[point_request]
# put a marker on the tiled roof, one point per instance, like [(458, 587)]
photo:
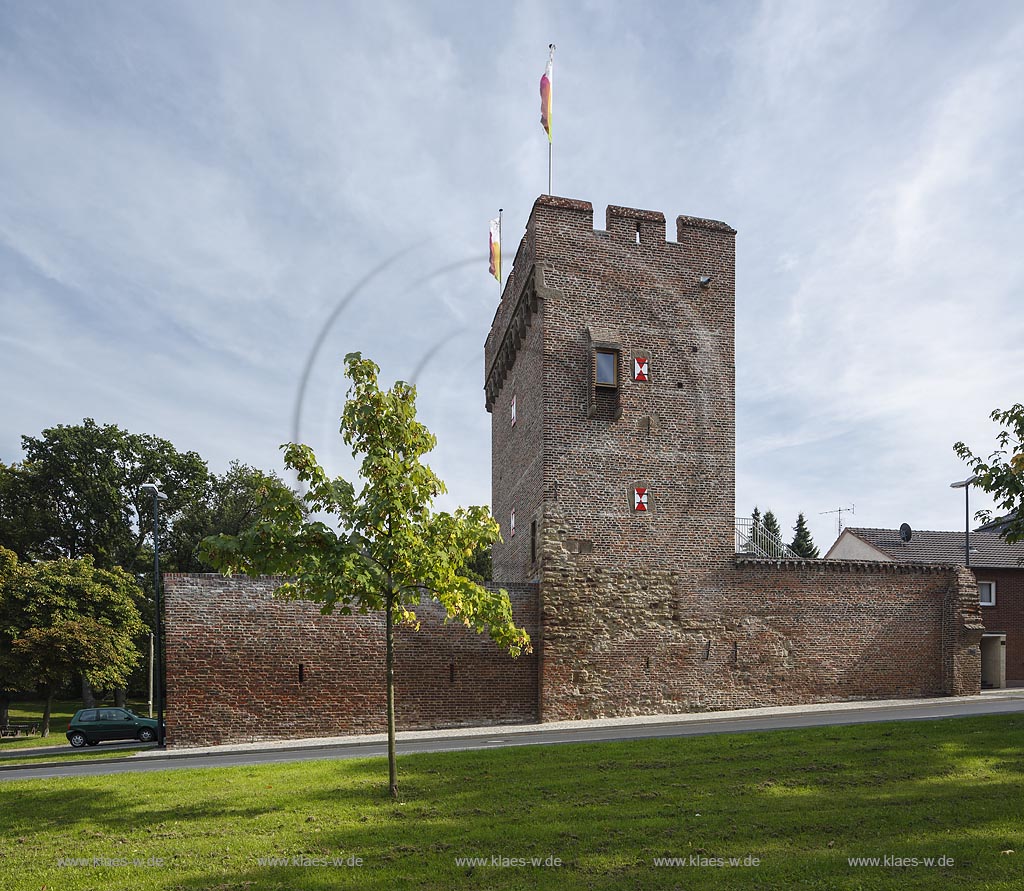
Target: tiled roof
[(999, 523), (926, 546)]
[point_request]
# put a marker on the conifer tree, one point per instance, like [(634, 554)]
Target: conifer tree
[(802, 543)]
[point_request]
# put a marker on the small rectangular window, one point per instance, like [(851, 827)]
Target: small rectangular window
[(533, 541), (987, 593), (606, 368)]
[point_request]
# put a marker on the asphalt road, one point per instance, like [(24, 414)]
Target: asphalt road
[(817, 718)]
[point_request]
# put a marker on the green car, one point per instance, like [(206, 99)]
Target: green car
[(90, 726)]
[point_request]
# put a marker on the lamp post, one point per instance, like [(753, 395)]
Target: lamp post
[(153, 488), (966, 486)]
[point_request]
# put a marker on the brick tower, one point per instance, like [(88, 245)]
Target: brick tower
[(610, 378)]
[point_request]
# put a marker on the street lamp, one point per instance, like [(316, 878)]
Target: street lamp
[(966, 486), (153, 488)]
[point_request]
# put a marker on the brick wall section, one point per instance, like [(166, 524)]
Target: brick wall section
[(233, 652), (676, 432), (1007, 616), (517, 460), (753, 633)]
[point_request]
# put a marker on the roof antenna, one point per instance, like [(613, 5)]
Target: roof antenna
[(839, 519)]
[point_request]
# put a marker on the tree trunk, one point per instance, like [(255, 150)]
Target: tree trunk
[(120, 697), (46, 712), (88, 695), (390, 662), (5, 708)]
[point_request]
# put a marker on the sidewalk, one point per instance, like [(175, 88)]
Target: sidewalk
[(506, 730)]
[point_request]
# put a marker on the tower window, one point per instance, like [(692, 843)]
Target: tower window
[(513, 409), (512, 523), (606, 368), (533, 541)]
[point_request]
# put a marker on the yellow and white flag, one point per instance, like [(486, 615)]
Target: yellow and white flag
[(495, 267), (546, 92)]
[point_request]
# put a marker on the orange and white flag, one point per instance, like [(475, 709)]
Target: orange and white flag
[(495, 267), (546, 91)]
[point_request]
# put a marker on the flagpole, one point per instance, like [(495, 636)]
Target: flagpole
[(500, 211), (551, 141), (547, 105)]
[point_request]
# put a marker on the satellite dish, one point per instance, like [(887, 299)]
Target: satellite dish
[(906, 533)]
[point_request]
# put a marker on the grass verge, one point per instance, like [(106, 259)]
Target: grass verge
[(799, 802), (91, 754)]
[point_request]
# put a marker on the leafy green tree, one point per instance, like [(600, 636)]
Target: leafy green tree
[(479, 567), (392, 550), (803, 544), (77, 493), (229, 504), (21, 519), (1002, 475), (67, 618), (11, 675)]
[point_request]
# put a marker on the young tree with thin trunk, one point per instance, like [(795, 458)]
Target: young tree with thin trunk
[(390, 550)]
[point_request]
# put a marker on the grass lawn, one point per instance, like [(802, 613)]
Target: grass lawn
[(801, 801), (62, 712)]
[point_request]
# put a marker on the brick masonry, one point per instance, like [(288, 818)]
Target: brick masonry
[(630, 612), (676, 431), (233, 653), (1007, 617), (757, 632)]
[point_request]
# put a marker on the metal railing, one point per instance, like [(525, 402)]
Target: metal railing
[(753, 540)]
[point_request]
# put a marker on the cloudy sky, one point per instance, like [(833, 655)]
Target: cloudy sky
[(192, 191)]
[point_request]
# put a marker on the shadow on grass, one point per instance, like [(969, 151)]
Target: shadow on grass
[(801, 802)]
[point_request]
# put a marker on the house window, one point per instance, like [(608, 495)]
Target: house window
[(606, 368), (641, 368), (641, 499), (987, 593)]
